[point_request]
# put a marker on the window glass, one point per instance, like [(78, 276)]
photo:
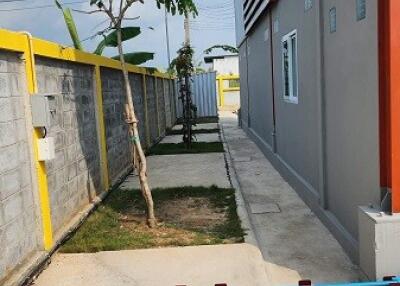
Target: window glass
[(332, 19), (286, 68), (233, 83), (294, 64), (361, 9), (290, 67), (307, 5)]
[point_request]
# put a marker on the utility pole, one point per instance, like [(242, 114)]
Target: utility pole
[(187, 93), (187, 29), (167, 34)]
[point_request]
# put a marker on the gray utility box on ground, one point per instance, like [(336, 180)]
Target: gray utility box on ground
[(42, 108)]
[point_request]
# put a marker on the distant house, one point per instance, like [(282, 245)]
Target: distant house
[(228, 85), (320, 90), (225, 64)]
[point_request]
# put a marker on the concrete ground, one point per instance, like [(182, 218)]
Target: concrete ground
[(198, 126), (236, 265), (294, 243), (203, 137), (167, 171)]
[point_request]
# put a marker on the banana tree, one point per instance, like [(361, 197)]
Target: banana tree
[(109, 40), (127, 33), (69, 21)]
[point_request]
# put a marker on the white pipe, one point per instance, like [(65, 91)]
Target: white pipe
[(32, 58)]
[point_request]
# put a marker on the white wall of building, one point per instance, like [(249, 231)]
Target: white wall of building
[(227, 65)]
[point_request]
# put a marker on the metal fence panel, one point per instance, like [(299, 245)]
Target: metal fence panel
[(204, 95)]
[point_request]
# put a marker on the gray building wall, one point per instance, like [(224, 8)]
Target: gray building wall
[(260, 84), (326, 145), (296, 124), (18, 213), (244, 87), (74, 175), (352, 118)]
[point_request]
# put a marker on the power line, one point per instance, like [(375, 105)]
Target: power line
[(39, 7), (10, 1)]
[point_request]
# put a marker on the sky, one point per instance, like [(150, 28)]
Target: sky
[(214, 25)]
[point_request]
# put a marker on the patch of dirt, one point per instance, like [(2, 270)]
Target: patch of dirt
[(196, 213), (183, 221)]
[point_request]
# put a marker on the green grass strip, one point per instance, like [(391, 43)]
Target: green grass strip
[(180, 148), (103, 230), (195, 131)]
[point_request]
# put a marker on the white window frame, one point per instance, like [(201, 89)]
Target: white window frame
[(293, 84)]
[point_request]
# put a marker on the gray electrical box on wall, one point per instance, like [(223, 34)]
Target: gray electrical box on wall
[(42, 108)]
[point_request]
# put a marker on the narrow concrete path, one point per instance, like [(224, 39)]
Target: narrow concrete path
[(235, 265), (207, 126), (168, 171), (202, 137), (294, 243)]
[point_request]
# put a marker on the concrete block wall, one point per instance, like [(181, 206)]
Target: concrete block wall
[(118, 150), (74, 176), (161, 105), (152, 109), (18, 220), (168, 104), (136, 81)]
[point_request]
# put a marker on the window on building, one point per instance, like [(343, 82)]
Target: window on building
[(361, 9), (289, 67), (307, 5), (234, 83), (332, 20)]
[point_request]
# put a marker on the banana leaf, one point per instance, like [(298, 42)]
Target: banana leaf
[(136, 58), (111, 40), (69, 21)]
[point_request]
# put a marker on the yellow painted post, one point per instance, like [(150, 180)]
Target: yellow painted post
[(40, 165), (221, 91), (146, 115), (157, 107), (100, 118)]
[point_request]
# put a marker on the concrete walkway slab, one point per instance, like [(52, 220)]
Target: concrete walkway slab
[(294, 243), (203, 137), (207, 126), (168, 171), (235, 265)]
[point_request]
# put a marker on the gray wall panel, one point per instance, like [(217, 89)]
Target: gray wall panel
[(297, 131), (260, 80), (327, 144), (244, 87), (351, 95)]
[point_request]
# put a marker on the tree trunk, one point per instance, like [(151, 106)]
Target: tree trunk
[(139, 158)]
